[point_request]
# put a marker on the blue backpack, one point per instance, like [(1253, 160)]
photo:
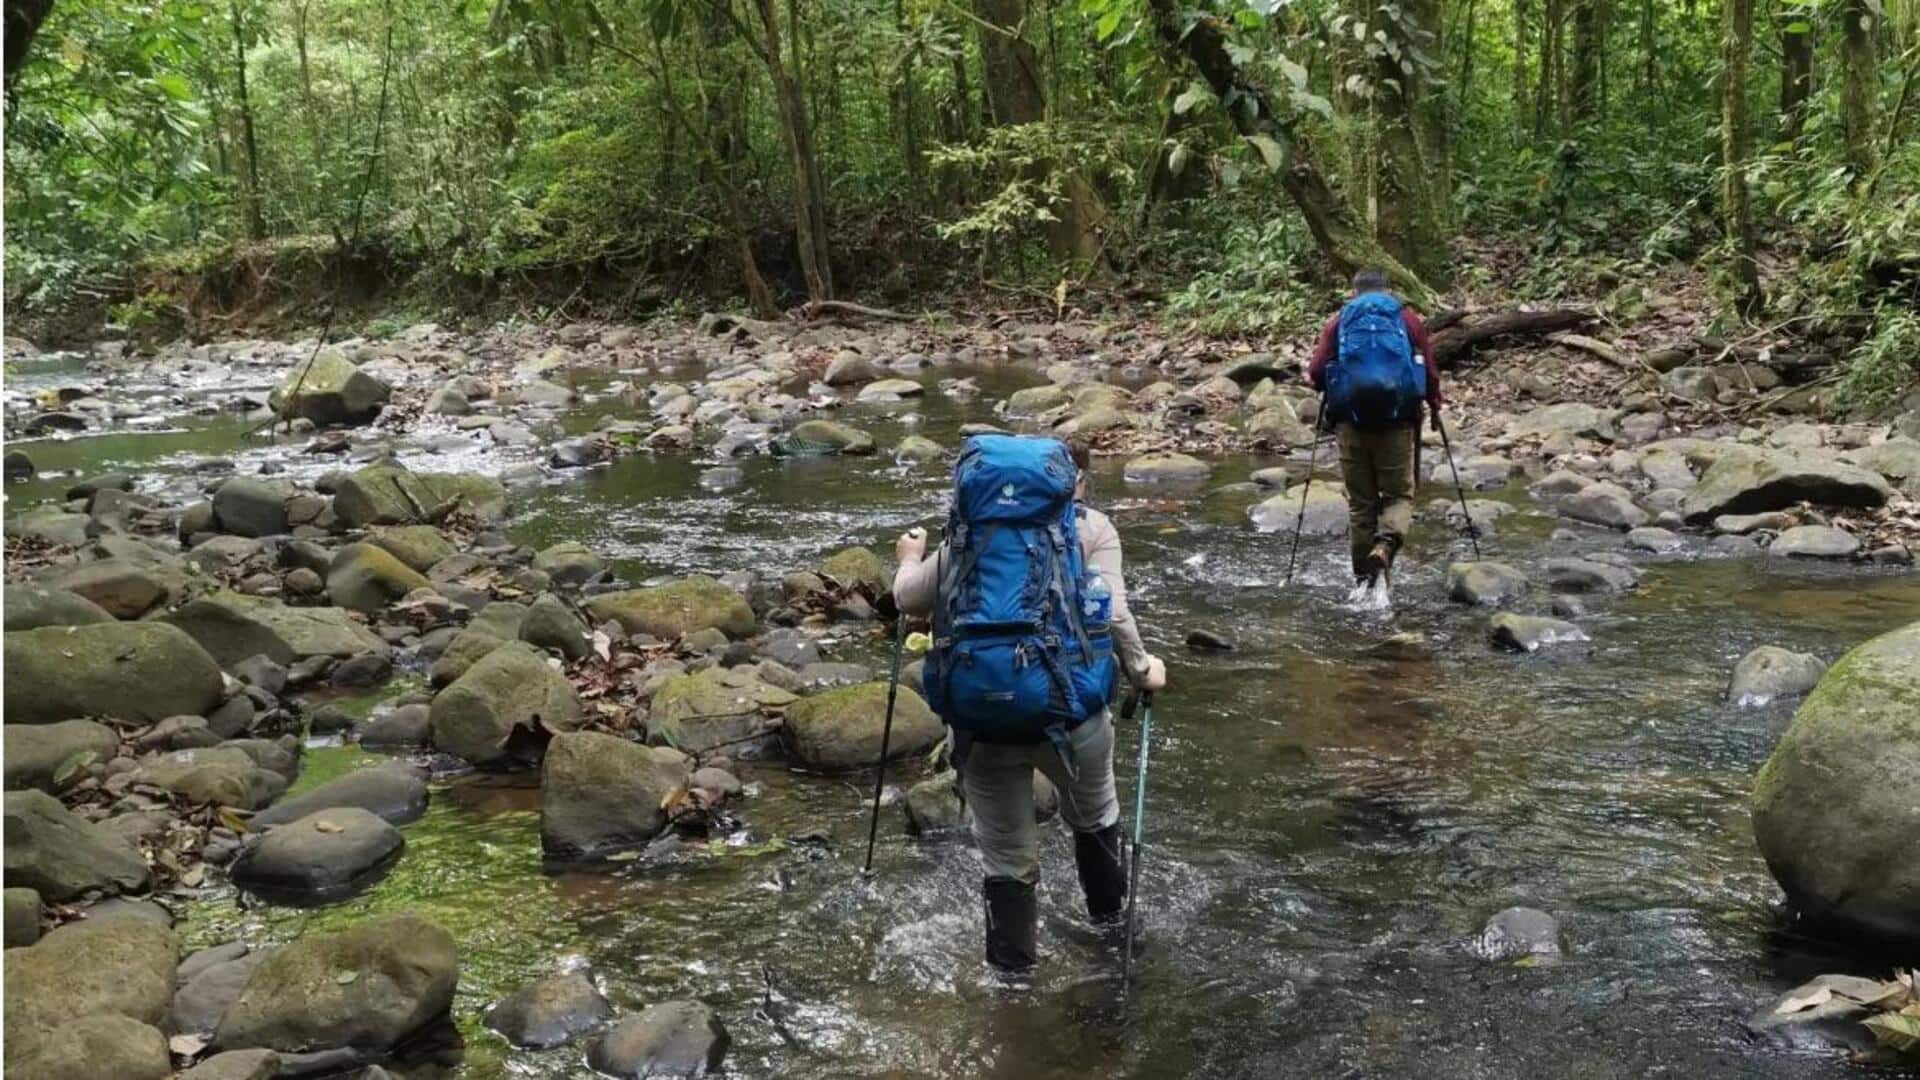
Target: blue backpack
[(1375, 381), (1021, 649)]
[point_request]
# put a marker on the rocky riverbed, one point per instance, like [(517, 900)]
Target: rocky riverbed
[(502, 711)]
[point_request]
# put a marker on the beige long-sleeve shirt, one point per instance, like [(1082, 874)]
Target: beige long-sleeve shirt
[(916, 588)]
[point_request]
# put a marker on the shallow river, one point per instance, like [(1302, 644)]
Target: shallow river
[(1336, 808)]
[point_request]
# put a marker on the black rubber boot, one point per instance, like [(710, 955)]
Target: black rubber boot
[(1013, 924), (1103, 873)]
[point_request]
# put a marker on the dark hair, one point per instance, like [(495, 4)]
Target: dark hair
[(1370, 279), (1081, 452)]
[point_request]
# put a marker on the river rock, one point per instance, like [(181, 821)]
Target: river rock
[(367, 987), (1814, 542), (1833, 806), (329, 390), (1604, 503), (465, 650), (237, 1065), (1326, 511), (1654, 539), (551, 624), (60, 855), (935, 808), (551, 1012), (714, 707), (391, 495), (512, 686), (408, 725), (918, 448), (1520, 931), (18, 467), (675, 1038), (815, 437), (1590, 575), (1742, 524), (1166, 468), (93, 1047), (396, 791), (672, 610), (366, 578), (858, 568), (419, 546), (20, 915), (91, 982), (568, 563), (849, 368), (1528, 633), (1770, 672), (324, 856), (1570, 418), (36, 753), (121, 587), (50, 526), (244, 506), (840, 729), (891, 390), (128, 671), (29, 607), (209, 991), (234, 627), (224, 775), (600, 794), (1754, 482), (1820, 1014), (1492, 584)]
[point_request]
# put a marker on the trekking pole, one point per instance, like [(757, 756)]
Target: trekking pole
[(886, 736), (1300, 519), (1446, 445), (1144, 699)]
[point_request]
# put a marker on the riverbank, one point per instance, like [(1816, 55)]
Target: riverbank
[(655, 528)]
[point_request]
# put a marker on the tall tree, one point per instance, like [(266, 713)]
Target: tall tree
[(1737, 49), (1858, 79), (1589, 46), (1796, 69), (1410, 202), (256, 220)]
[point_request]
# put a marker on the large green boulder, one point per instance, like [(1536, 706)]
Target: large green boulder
[(58, 853), (29, 607), (822, 437), (329, 389), (1752, 483), (676, 609), (366, 988), (1834, 806), (89, 974), (244, 506), (232, 626), (858, 568), (419, 546), (600, 794), (713, 708), (367, 578), (392, 495), (38, 753), (143, 671), (841, 729), (512, 686), (224, 775), (122, 587)]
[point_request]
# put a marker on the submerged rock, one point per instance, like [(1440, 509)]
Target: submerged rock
[(821, 437), (1590, 575), (551, 1012), (1528, 633), (143, 671), (1519, 931), (1166, 468), (1492, 584), (1770, 672), (396, 791), (600, 794), (1326, 511), (1820, 1014), (841, 729), (1833, 806), (676, 1038)]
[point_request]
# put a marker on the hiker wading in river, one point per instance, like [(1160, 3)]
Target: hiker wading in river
[(1029, 610), (1374, 367)]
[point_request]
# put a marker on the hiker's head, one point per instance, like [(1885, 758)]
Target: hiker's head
[(1370, 279), (1082, 459)]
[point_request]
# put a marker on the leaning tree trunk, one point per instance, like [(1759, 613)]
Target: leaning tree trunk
[(23, 19), (809, 212), (1733, 141), (1857, 23), (1344, 241), (1016, 94)]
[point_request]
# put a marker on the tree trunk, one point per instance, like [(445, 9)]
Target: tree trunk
[(1583, 91), (1547, 90), (1520, 89), (256, 222), (23, 21), (1733, 140), (1796, 70), (1344, 241), (1410, 208), (1857, 24), (1016, 94), (809, 214)]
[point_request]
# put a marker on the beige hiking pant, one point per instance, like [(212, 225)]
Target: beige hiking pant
[(1378, 469)]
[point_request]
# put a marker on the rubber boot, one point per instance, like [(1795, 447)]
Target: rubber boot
[(1103, 873), (1013, 924)]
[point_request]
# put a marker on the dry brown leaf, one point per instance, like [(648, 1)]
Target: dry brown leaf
[(323, 825), (1805, 1001)]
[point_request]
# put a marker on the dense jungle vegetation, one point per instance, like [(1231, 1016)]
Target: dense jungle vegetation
[(1222, 157)]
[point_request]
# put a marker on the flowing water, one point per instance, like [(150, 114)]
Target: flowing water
[(1335, 809)]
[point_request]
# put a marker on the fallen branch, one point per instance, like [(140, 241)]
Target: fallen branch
[(816, 309), (1602, 349), (1459, 339)]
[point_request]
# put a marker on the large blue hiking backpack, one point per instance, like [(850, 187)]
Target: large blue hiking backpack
[(1375, 381), (1021, 648)]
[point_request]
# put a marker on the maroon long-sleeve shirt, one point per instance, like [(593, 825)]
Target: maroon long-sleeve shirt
[(1329, 346)]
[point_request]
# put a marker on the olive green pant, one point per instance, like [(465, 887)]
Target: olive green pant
[(1378, 470)]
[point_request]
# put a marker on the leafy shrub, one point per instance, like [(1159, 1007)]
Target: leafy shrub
[(1885, 366)]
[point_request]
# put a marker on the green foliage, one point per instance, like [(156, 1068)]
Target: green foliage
[(1885, 366), (1256, 283)]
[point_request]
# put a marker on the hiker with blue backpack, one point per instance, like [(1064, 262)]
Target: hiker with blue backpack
[(1030, 632), (1374, 368)]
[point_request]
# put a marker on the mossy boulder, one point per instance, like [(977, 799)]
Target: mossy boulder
[(61, 855), (1833, 808), (392, 495), (841, 729), (79, 996), (366, 988), (824, 437), (122, 587), (29, 607), (127, 671), (1166, 468), (224, 775), (568, 563), (1754, 482), (38, 753), (329, 389), (715, 707), (512, 686), (245, 506), (368, 578), (858, 568), (600, 794), (676, 609), (419, 546), (1326, 510), (93, 1047), (232, 626)]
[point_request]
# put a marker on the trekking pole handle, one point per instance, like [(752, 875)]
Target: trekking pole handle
[(1135, 698)]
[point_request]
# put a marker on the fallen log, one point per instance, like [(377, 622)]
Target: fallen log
[(1461, 337), (825, 309)]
